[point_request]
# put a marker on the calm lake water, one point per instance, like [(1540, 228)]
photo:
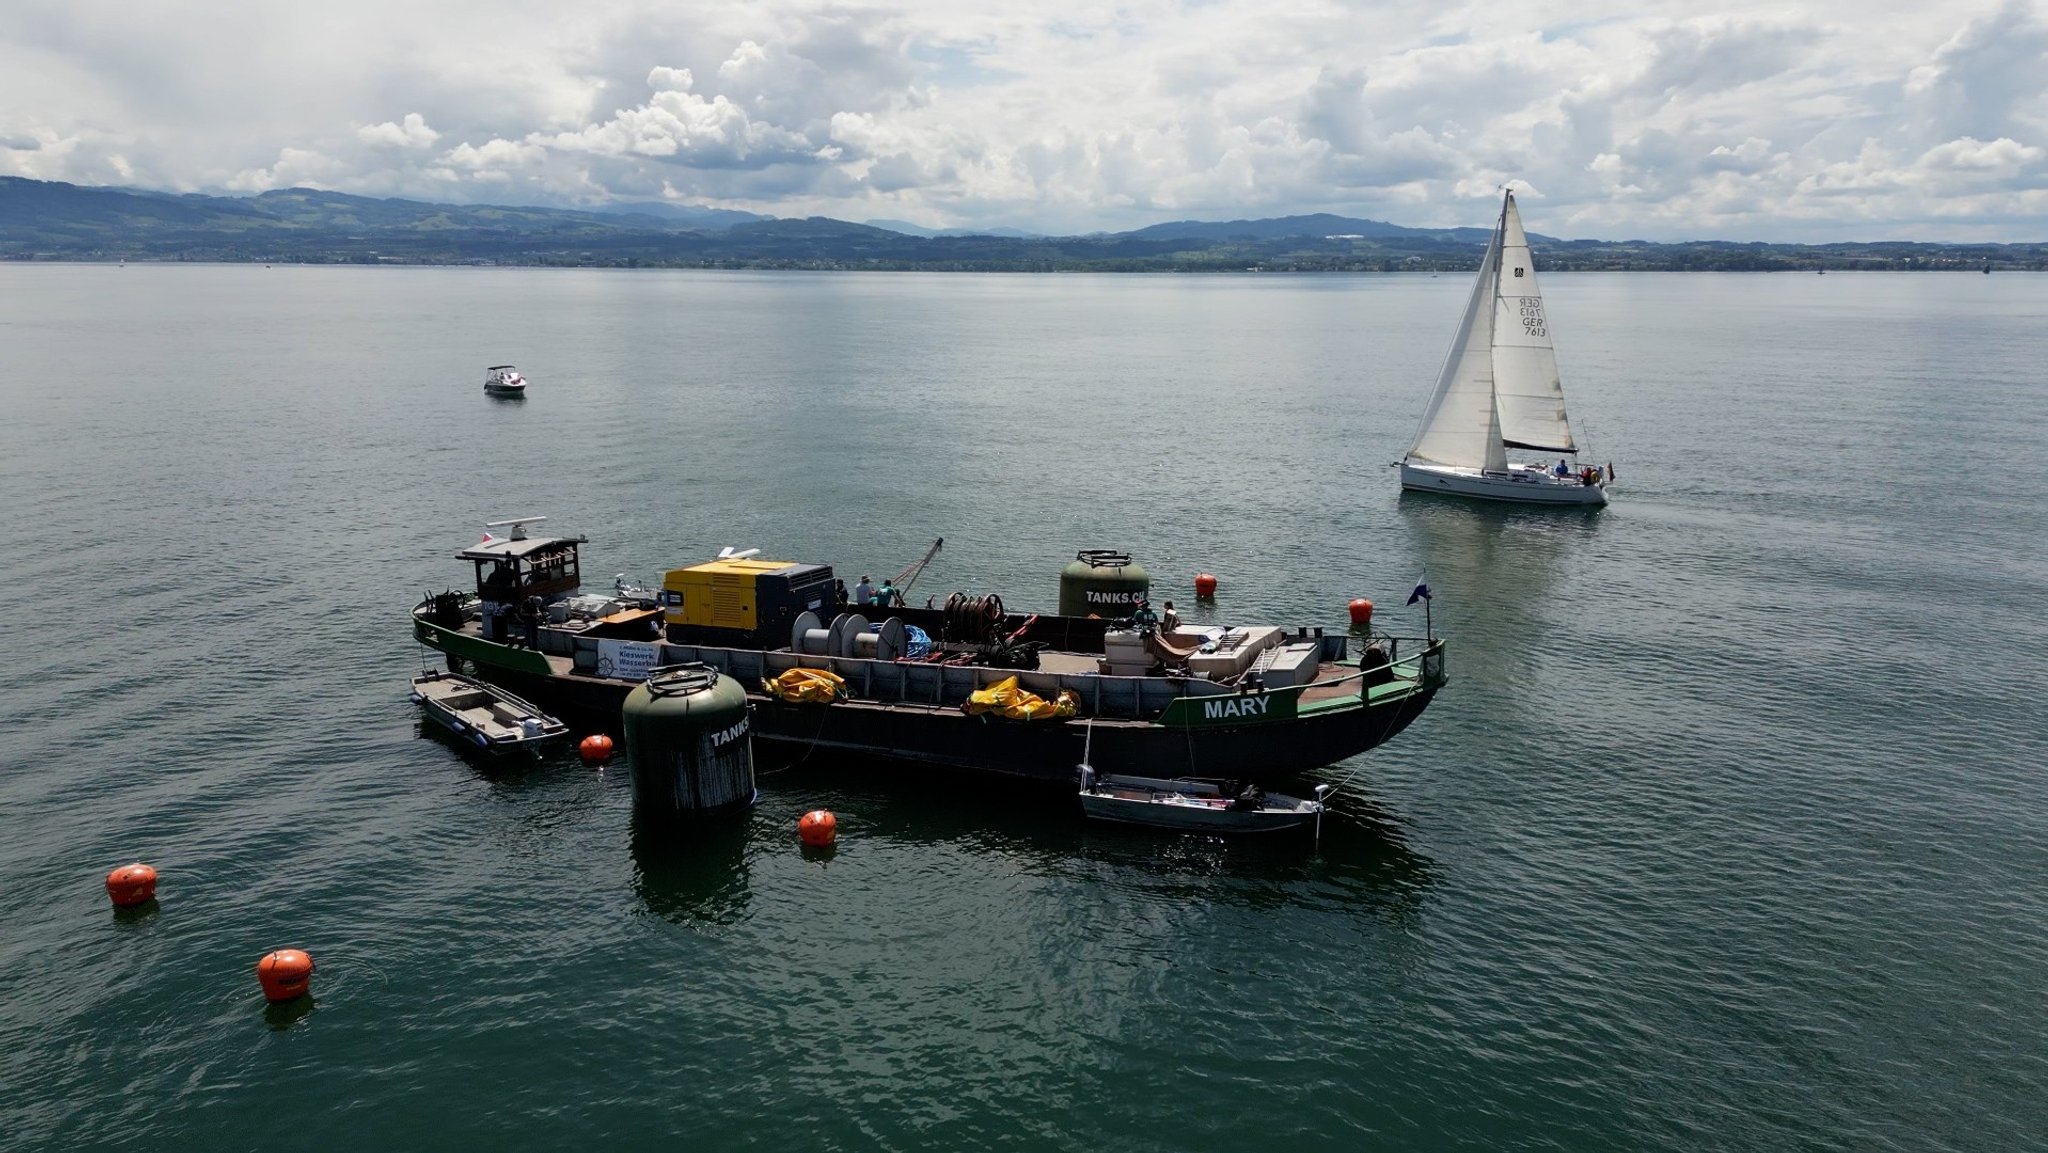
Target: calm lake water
[(1729, 833)]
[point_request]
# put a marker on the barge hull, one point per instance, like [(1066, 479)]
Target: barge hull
[(944, 737)]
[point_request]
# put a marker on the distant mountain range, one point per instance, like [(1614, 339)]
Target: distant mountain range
[(1320, 224), (908, 229), (42, 220)]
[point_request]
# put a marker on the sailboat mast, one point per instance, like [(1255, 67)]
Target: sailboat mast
[(1500, 238), (1527, 390), (1461, 426), (1500, 229)]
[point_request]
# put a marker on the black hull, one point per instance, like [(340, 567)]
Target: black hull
[(947, 738)]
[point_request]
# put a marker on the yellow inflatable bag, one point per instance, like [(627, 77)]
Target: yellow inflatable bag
[(806, 685), (1006, 699)]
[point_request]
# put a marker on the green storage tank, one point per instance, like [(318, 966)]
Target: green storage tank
[(1103, 583), (688, 743)]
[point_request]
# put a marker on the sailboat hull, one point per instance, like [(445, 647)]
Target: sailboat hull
[(1519, 484)]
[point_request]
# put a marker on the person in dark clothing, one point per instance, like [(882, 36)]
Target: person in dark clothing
[(1143, 618)]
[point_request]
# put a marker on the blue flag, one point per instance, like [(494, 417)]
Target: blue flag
[(1421, 593)]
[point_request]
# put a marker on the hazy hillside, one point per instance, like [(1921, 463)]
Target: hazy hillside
[(1321, 224), (52, 221)]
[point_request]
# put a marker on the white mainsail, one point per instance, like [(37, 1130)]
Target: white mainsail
[(1526, 390), (1461, 428)]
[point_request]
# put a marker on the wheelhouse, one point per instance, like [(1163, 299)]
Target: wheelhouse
[(510, 571)]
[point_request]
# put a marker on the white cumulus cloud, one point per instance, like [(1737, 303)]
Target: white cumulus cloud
[(412, 132), (1645, 118)]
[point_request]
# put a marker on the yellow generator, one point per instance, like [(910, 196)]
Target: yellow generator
[(743, 602)]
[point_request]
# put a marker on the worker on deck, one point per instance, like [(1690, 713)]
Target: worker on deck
[(1143, 618), (1169, 620), (887, 596), (864, 592)]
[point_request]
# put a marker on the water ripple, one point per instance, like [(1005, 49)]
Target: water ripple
[(1727, 833)]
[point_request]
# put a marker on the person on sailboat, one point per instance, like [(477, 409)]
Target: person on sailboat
[(1561, 470)]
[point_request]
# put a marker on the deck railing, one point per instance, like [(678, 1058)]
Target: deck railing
[(1418, 661), (1099, 695)]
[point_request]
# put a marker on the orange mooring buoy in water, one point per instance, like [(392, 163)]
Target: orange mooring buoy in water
[(286, 974), (131, 885), (1205, 584), (1361, 612), (818, 827), (596, 749)]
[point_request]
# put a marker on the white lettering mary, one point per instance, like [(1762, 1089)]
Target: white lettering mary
[(1234, 707)]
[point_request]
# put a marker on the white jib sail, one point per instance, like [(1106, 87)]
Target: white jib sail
[(1461, 427), (1526, 388)]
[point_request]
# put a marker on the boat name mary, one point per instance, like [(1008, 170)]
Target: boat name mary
[(1234, 707)]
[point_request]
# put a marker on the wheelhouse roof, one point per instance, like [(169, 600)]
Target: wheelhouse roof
[(514, 549)]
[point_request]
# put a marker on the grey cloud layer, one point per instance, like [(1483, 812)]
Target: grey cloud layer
[(1801, 122)]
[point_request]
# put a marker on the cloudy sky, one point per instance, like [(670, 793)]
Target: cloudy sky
[(1804, 120)]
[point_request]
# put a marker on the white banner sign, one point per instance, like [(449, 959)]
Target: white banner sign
[(626, 660)]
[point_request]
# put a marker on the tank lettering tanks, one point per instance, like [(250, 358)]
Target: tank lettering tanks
[(1102, 583)]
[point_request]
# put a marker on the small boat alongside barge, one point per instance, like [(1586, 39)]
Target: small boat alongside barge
[(484, 715), (1196, 806), (1247, 704)]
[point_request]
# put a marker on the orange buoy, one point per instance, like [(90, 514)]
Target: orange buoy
[(132, 885), (1205, 584), (1361, 612), (596, 749), (286, 974), (818, 827)]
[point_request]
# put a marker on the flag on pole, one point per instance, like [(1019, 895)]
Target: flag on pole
[(1421, 592), (488, 538)]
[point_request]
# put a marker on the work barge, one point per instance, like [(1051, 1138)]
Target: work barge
[(1241, 703)]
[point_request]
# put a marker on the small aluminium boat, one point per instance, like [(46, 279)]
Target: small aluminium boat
[(483, 714), (503, 380), (1196, 805), (1499, 389)]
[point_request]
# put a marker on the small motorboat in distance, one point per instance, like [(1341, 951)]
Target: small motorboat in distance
[(503, 380), (1195, 805), (482, 714)]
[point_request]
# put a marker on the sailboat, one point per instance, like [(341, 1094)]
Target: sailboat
[(1498, 390)]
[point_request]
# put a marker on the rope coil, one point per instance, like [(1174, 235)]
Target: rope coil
[(973, 620)]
